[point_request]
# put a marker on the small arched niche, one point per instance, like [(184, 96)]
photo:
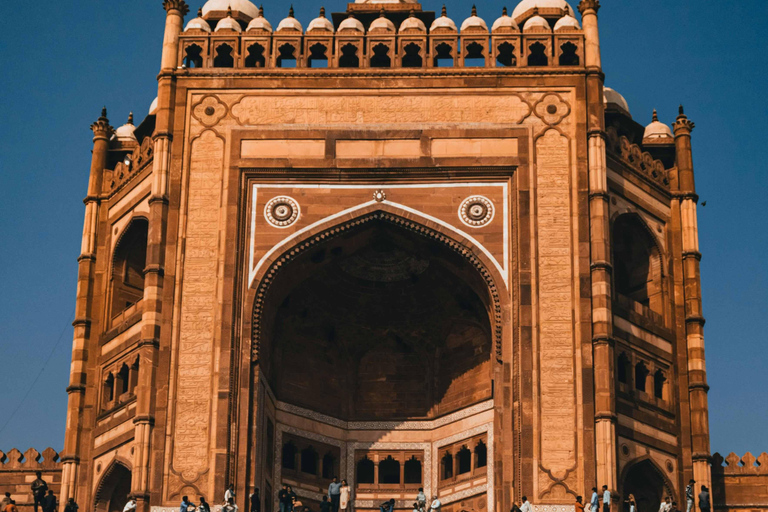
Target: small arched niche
[(128, 263)]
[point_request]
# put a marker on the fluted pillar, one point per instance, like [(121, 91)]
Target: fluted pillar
[(102, 131), (600, 254), (152, 311), (694, 318)]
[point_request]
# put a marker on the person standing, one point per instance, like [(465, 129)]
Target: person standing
[(515, 507), (594, 501), (255, 501), (578, 506), (5, 501), (421, 500), (131, 505), (436, 506), (186, 504), (632, 503), (526, 506), (344, 496), (39, 489), (229, 493), (284, 499), (704, 505), (49, 502), (293, 500), (71, 506), (204, 506), (325, 505), (689, 495), (606, 499), (334, 494)]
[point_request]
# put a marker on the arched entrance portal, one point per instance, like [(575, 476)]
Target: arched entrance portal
[(645, 481), (376, 348), (114, 487)]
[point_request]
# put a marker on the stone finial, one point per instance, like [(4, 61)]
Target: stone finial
[(655, 117), (536, 11), (104, 113), (102, 123), (322, 12), (474, 10), (130, 118), (290, 12), (200, 12), (382, 14), (412, 14), (681, 110), (261, 11), (229, 11), (683, 124), (444, 13), (504, 11)]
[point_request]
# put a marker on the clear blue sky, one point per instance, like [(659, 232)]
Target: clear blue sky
[(63, 60)]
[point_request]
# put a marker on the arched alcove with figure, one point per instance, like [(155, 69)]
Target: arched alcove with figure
[(113, 488), (646, 482)]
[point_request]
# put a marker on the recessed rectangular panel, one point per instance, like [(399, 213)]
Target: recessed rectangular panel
[(461, 147), (402, 148), (282, 148)]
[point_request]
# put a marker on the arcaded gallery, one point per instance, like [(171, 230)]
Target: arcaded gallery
[(393, 248)]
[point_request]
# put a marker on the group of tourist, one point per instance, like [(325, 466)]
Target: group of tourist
[(43, 497)]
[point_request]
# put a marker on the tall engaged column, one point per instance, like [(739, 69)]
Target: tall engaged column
[(102, 131), (600, 260), (151, 320), (694, 319)]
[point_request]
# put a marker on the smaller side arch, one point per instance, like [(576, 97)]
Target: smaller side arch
[(114, 487)]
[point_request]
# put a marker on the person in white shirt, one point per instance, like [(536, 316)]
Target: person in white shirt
[(230, 506), (130, 506), (606, 499), (594, 501), (436, 504), (229, 494), (526, 507)]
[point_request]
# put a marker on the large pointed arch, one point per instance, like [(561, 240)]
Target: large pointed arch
[(111, 495)]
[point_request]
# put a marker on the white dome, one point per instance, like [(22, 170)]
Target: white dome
[(413, 23), (474, 22), (505, 21), (260, 22), (321, 23), (352, 23), (381, 23), (611, 97), (536, 23), (527, 5), (228, 23), (567, 22), (241, 6), (125, 132), (289, 23), (198, 23), (153, 107), (657, 130), (443, 22)]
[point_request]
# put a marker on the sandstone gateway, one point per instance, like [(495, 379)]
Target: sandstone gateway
[(394, 249)]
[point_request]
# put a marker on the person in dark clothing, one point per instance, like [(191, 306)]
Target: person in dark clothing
[(39, 488), (49, 502), (255, 501), (284, 499), (388, 506), (704, 505), (71, 506), (325, 506), (204, 506)]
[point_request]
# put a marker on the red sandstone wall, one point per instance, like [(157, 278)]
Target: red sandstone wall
[(17, 471), (740, 484)]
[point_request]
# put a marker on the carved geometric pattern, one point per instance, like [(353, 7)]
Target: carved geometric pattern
[(551, 109), (210, 110), (282, 211), (476, 211), (415, 227)]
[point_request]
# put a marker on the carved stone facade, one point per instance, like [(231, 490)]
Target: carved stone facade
[(479, 281)]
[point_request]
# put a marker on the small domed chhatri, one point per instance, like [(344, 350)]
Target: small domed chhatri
[(259, 23), (242, 10), (228, 23), (198, 23), (657, 129), (443, 23), (546, 8), (352, 24), (614, 100), (289, 23), (382, 24), (125, 132), (536, 24), (505, 23), (412, 24), (567, 23), (321, 23), (474, 23)]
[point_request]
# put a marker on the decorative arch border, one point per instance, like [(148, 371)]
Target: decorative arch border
[(118, 461), (302, 245), (669, 488)]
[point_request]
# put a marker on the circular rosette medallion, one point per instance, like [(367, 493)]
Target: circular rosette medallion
[(476, 211), (282, 211)]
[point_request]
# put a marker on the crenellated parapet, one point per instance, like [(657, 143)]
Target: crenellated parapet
[(639, 160), (18, 470), (747, 464), (740, 483)]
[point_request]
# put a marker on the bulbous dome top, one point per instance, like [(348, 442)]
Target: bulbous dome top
[(289, 23), (260, 22), (321, 23), (474, 21), (524, 7), (382, 23), (242, 6), (505, 22), (567, 22), (198, 23), (536, 23), (443, 22), (352, 23), (657, 129), (228, 23), (125, 132), (413, 23), (616, 100), (153, 107)]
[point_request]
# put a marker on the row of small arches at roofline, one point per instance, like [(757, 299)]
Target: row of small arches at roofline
[(526, 13), (381, 55)]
